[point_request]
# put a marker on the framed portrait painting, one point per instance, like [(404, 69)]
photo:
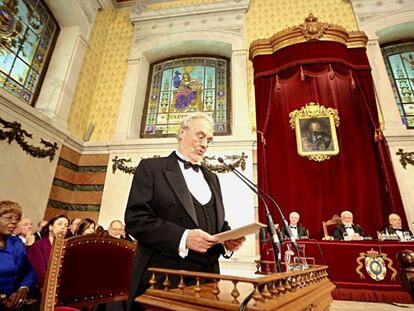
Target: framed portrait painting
[(315, 130)]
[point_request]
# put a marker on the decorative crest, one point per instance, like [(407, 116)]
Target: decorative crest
[(312, 29), (375, 265)]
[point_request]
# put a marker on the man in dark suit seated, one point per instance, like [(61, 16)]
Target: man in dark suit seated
[(298, 231), (396, 228), (175, 208), (348, 230)]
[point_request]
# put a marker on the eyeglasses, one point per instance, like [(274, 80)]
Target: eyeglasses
[(10, 218), (202, 137)]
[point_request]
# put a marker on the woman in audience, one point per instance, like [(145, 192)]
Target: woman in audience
[(40, 251), (85, 226), (17, 277)]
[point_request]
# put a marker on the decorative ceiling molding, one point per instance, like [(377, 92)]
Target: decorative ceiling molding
[(310, 30), (199, 9), (225, 17)]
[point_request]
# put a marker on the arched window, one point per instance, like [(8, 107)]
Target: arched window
[(28, 32), (399, 60), (177, 87)]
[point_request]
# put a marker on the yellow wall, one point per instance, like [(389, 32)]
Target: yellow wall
[(99, 89), (266, 17)]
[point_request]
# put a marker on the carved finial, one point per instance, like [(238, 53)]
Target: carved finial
[(312, 29), (311, 18)]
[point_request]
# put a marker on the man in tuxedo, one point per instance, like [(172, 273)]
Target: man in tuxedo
[(298, 231), (40, 225), (396, 227), (348, 230), (175, 208)]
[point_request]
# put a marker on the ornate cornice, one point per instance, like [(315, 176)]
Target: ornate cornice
[(310, 30), (18, 134), (236, 162)]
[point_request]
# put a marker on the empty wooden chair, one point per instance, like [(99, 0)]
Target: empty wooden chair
[(87, 270)]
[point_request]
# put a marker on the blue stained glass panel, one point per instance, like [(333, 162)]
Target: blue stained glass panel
[(399, 61), (408, 59), (28, 34), (28, 48), (184, 85), (19, 71), (397, 67), (6, 60)]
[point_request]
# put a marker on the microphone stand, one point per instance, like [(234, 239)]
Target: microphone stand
[(269, 221), (282, 217)]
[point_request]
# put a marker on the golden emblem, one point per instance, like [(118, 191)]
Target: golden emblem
[(375, 265)]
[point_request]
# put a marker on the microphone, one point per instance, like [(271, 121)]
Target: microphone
[(269, 221), (251, 184)]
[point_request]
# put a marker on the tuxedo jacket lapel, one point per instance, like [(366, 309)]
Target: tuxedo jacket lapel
[(177, 182)]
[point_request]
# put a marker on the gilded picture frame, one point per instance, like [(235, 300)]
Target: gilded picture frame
[(315, 131)]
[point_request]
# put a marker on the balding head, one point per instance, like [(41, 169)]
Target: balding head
[(395, 221)]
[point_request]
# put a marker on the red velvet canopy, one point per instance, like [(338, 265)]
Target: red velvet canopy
[(360, 178)]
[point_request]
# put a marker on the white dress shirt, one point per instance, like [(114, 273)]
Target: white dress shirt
[(200, 190)]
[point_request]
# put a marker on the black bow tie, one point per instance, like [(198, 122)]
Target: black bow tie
[(293, 227), (348, 227), (188, 165), (398, 229)]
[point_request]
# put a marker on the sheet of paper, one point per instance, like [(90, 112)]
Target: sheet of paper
[(239, 232)]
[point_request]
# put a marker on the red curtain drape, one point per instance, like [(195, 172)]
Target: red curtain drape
[(360, 178)]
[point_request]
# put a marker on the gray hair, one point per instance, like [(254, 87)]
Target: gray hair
[(185, 123), (346, 213)]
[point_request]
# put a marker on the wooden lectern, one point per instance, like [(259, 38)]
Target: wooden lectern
[(299, 290)]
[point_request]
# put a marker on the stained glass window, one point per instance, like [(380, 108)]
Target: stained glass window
[(399, 60), (183, 85), (28, 32)]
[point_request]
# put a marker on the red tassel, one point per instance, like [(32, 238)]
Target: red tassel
[(262, 139), (302, 74), (353, 85), (378, 135), (277, 85), (331, 72)]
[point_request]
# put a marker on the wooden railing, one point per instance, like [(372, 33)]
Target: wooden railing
[(223, 292)]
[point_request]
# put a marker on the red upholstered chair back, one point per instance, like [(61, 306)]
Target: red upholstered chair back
[(87, 270)]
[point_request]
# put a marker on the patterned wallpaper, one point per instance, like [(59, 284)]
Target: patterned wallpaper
[(98, 94), (99, 90), (266, 17)]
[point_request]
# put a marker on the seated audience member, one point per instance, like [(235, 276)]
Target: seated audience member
[(298, 231), (17, 276), (396, 227), (39, 252), (117, 230), (101, 232), (40, 225), (348, 230), (72, 228), (85, 226), (24, 231)]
